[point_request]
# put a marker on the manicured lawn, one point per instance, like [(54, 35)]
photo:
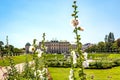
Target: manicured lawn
[(17, 59), (106, 74), (103, 55)]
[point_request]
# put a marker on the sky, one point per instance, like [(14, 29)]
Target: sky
[(25, 20)]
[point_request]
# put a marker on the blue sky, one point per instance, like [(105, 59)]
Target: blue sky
[(25, 20)]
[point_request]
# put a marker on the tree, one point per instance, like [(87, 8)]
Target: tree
[(1, 48), (110, 42), (115, 47), (11, 48), (101, 46), (118, 42), (106, 38), (1, 43), (111, 37), (92, 48), (17, 51)]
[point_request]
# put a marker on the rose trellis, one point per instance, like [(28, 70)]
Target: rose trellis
[(77, 28)]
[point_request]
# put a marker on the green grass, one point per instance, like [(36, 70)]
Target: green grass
[(114, 56), (63, 73), (20, 59), (17, 59), (54, 56), (103, 55), (103, 74)]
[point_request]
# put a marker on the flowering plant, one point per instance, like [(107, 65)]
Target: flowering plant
[(75, 23)]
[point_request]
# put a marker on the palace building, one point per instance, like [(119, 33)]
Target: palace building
[(55, 46)]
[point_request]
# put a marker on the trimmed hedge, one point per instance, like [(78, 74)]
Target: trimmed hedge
[(117, 62), (100, 65), (64, 64)]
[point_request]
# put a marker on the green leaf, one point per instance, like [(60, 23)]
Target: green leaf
[(74, 2), (76, 6), (73, 15), (79, 28), (74, 30), (76, 16), (73, 6), (75, 12)]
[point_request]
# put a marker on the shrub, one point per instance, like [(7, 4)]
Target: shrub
[(59, 64), (117, 62), (67, 64), (100, 65)]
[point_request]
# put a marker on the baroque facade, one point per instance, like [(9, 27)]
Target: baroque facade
[(55, 46)]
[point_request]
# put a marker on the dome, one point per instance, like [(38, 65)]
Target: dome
[(28, 44)]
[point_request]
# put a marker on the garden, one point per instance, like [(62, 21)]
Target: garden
[(105, 67), (78, 65)]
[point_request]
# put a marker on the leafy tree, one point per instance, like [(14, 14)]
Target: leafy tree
[(118, 42), (111, 37), (1, 48), (17, 51), (110, 42), (115, 47), (92, 48), (106, 38), (1, 43), (110, 45), (101, 46)]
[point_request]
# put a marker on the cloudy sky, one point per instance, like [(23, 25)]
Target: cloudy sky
[(25, 20)]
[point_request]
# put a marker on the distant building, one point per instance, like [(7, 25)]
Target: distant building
[(85, 46), (27, 45), (55, 46)]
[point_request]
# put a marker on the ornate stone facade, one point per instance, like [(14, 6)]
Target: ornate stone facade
[(55, 46)]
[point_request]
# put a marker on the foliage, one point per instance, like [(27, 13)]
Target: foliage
[(1, 48), (12, 72), (107, 47), (100, 64), (117, 62), (110, 45), (111, 37), (118, 42), (4, 49), (1, 43), (38, 68), (28, 71), (101, 61)]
